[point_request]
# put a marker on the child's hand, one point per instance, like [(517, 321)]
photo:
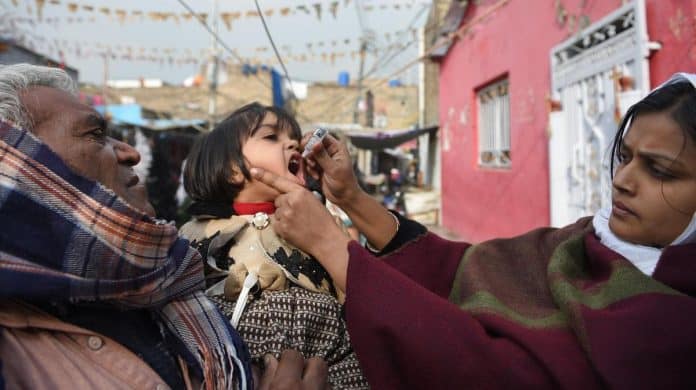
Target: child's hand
[(330, 163)]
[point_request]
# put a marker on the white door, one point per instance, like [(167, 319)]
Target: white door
[(584, 80)]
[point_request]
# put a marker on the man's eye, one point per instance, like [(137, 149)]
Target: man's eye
[(98, 133)]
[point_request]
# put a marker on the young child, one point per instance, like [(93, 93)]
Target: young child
[(293, 302)]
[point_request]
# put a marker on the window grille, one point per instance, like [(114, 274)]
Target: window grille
[(494, 125)]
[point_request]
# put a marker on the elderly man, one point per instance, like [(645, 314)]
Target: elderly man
[(94, 292)]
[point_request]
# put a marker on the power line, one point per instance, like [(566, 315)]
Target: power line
[(275, 49), (381, 62), (219, 40)]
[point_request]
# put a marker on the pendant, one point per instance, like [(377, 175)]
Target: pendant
[(260, 220)]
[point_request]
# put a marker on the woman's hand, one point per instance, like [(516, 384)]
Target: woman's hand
[(330, 164), (294, 372), (301, 220)]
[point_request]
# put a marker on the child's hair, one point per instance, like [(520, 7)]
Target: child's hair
[(677, 98), (214, 156)]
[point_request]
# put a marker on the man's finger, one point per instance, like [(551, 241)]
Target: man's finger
[(316, 372), (290, 367), (271, 179), (269, 372)]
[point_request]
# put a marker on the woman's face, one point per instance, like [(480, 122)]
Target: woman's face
[(654, 187), (271, 148)]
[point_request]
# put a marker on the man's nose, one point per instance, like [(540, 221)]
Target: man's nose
[(125, 153)]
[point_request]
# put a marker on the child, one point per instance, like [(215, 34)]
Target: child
[(294, 302)]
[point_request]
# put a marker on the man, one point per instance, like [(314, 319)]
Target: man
[(94, 292)]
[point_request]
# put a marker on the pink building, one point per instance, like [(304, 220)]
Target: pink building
[(530, 91)]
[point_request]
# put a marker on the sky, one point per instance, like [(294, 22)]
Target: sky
[(81, 31)]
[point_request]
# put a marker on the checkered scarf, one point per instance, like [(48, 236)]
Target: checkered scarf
[(67, 238)]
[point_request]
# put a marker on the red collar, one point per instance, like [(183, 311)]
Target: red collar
[(241, 208)]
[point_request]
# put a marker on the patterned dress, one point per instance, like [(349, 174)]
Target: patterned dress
[(294, 305)]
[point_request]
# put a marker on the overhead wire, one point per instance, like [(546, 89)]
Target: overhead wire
[(379, 63), (220, 41), (275, 49)]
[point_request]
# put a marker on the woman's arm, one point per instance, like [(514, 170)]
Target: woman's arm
[(407, 336)]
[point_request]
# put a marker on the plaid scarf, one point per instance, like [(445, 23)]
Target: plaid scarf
[(67, 238)]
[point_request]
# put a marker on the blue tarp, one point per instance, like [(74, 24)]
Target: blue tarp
[(132, 115), (277, 84)]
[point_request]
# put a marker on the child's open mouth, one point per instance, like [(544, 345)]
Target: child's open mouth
[(295, 167)]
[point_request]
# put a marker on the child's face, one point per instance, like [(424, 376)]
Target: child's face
[(654, 187), (272, 149)]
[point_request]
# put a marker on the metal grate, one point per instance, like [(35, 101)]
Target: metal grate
[(494, 125)]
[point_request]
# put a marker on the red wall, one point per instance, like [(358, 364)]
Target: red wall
[(515, 41)]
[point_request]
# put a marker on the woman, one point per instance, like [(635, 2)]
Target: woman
[(604, 302)]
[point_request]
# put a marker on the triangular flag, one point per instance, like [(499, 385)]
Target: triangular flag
[(121, 15), (317, 8), (333, 8), (39, 8), (227, 19)]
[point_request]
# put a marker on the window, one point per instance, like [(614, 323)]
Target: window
[(494, 125)]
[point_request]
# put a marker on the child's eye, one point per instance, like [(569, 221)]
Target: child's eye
[(271, 137)]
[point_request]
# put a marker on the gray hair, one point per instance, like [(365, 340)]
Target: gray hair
[(15, 78)]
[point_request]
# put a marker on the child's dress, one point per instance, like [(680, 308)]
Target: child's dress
[(293, 304)]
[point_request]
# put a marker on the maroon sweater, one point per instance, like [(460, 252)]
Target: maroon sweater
[(550, 309)]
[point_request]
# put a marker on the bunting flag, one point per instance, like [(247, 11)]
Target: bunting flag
[(317, 8), (39, 8), (227, 16), (333, 9)]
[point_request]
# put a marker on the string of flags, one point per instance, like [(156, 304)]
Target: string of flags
[(176, 56), (88, 13)]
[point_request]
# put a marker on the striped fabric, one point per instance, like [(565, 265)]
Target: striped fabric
[(67, 238)]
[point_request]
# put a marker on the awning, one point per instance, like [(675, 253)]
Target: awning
[(386, 139), (131, 115)]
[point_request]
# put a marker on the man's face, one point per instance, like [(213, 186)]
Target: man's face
[(77, 134)]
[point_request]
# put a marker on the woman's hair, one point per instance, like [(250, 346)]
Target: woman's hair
[(214, 156), (676, 98), (16, 78)]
